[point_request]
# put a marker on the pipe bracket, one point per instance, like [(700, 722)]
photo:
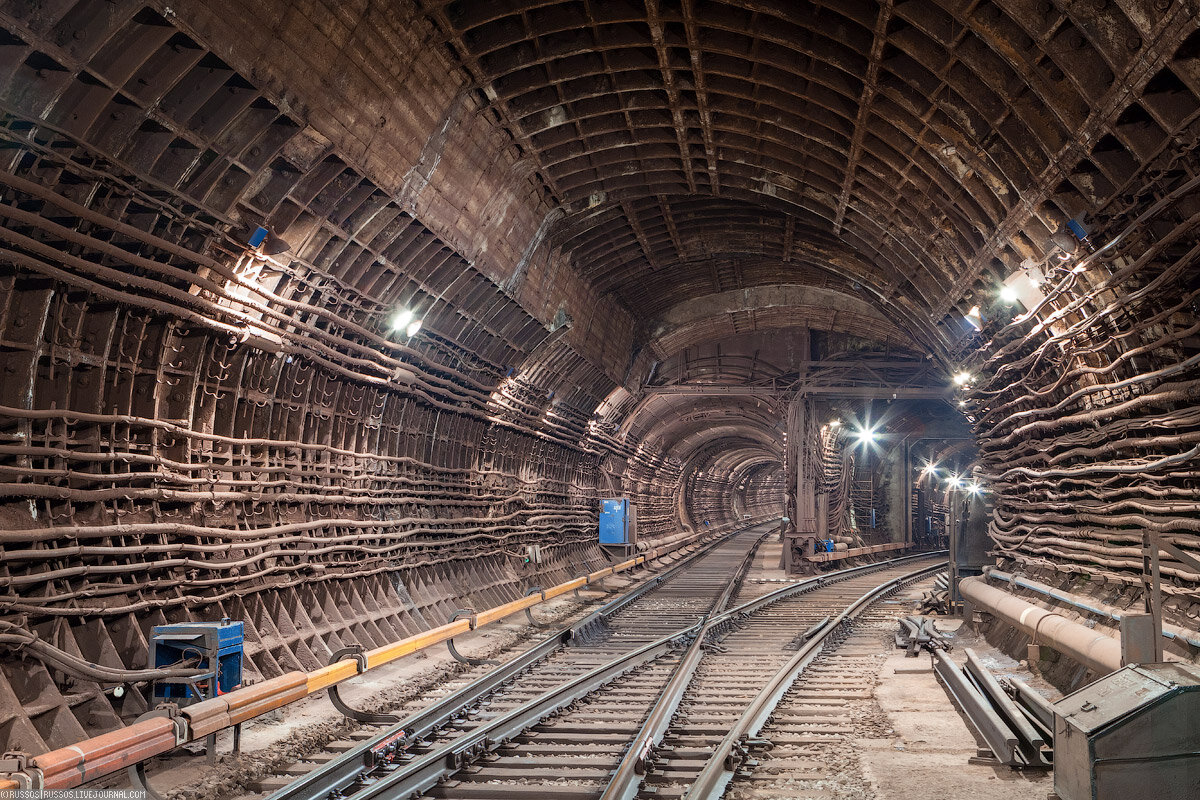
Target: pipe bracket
[(459, 657), (355, 651), (529, 611)]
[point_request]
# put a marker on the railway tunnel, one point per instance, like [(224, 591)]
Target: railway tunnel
[(336, 319)]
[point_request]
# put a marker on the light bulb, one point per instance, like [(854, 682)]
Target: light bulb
[(401, 318)]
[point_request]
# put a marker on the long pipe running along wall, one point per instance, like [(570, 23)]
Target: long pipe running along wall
[(1096, 651), (1084, 603)]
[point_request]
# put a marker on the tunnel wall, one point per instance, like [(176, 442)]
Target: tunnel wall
[(1087, 411), (193, 431)]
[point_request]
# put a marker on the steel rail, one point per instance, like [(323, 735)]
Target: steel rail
[(626, 781), (1003, 741), (800, 587), (1032, 740), (1036, 707), (341, 772), (725, 760), (424, 772)]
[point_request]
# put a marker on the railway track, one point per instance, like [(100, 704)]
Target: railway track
[(673, 599), (633, 701)]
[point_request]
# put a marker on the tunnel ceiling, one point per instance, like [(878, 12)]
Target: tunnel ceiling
[(920, 150), (592, 208)]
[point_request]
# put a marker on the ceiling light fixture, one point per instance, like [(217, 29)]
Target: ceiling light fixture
[(401, 319)]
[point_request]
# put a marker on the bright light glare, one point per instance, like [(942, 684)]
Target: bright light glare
[(835, 423), (866, 437), (412, 328), (1008, 294), (401, 319), (962, 378), (974, 488), (929, 469), (956, 481)]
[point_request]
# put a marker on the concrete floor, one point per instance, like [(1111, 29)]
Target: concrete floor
[(928, 755)]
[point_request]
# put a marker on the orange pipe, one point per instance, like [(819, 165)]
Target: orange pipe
[(266, 696), (390, 652), (500, 612), (563, 588), (207, 716), (109, 752), (337, 672)]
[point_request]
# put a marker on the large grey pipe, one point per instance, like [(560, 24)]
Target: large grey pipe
[(1096, 651)]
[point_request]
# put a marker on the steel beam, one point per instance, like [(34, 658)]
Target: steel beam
[(841, 391)]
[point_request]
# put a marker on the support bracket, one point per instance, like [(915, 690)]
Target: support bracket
[(355, 651), (14, 766), (140, 782), (459, 657), (137, 772), (529, 611)]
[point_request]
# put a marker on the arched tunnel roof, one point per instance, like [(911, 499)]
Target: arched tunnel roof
[(303, 301), (920, 149)]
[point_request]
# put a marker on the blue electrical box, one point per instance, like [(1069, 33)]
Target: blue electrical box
[(217, 645), (618, 521)]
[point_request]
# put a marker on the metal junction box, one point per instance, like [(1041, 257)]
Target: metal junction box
[(618, 521), (1132, 735), (217, 645)]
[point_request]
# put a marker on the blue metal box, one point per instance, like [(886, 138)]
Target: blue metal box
[(218, 645), (617, 525)]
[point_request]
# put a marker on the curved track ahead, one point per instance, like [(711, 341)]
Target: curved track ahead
[(634, 706)]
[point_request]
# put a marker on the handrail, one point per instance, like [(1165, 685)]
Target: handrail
[(111, 752)]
